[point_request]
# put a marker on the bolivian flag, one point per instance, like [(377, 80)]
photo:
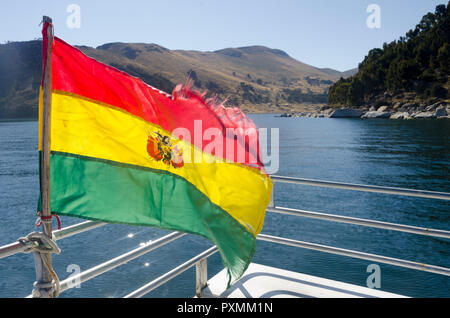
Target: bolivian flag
[(115, 157)]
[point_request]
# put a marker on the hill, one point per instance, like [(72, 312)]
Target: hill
[(20, 78), (255, 78), (413, 70)]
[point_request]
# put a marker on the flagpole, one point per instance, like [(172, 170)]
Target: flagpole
[(47, 103), (43, 261)]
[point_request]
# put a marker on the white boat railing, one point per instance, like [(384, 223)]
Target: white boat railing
[(364, 188), (200, 261)]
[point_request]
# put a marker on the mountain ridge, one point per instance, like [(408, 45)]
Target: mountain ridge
[(256, 78)]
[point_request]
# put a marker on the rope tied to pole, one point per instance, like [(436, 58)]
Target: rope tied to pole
[(39, 243), (47, 219)]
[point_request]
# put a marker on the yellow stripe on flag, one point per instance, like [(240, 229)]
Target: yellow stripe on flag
[(87, 128)]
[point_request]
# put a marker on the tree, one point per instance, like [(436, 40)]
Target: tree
[(443, 57), (417, 63)]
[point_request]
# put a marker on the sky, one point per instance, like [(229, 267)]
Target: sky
[(322, 33)]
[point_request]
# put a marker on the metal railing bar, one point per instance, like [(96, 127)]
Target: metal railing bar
[(17, 247), (12, 248), (356, 254), (117, 261), (363, 222), (77, 229), (171, 274), (364, 188)]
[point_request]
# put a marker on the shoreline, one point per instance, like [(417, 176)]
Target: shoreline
[(399, 110), (407, 111)]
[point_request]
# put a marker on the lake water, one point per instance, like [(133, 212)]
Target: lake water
[(411, 154)]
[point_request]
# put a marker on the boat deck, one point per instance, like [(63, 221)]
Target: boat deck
[(260, 281)]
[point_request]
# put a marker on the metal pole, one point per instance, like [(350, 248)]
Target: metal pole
[(43, 275), (119, 260), (77, 229), (364, 188), (18, 247), (171, 274), (363, 222), (201, 276), (356, 254)]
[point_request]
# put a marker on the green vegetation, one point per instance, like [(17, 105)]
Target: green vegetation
[(297, 95), (416, 65)]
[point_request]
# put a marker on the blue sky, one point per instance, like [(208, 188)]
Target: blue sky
[(330, 33)]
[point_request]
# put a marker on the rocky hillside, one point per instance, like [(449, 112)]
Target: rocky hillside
[(255, 78)]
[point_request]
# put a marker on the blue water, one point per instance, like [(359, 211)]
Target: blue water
[(413, 154)]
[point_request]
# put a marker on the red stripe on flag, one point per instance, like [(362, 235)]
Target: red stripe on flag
[(76, 73)]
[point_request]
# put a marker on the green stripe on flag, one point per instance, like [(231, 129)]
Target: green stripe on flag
[(101, 190)]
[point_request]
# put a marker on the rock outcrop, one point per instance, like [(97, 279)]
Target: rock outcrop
[(398, 111), (346, 113), (441, 112), (401, 115), (376, 114)]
